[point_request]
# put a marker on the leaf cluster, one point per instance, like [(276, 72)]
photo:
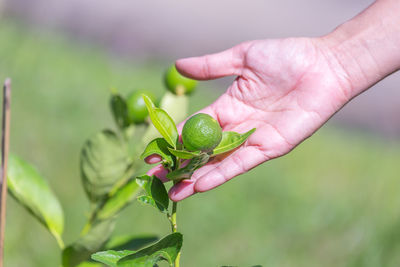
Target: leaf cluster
[(108, 166), (182, 163)]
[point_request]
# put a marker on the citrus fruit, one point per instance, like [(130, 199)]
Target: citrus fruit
[(201, 132), (137, 111), (178, 84)]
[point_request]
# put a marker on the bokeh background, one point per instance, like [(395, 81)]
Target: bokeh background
[(333, 201)]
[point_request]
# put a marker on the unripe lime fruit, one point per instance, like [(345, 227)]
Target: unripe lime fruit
[(177, 83), (137, 111), (201, 132)]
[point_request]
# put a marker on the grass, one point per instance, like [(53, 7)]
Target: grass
[(333, 201)]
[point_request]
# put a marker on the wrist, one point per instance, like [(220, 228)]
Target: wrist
[(365, 49)]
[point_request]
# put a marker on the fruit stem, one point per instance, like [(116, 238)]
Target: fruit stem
[(180, 90), (113, 90)]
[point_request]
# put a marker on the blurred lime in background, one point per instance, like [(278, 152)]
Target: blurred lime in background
[(137, 111)]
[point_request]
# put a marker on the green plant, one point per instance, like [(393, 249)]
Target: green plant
[(180, 163), (109, 165)]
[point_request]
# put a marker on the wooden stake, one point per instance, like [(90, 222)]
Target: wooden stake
[(5, 131)]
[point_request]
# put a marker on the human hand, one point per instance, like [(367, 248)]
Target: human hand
[(286, 89), (289, 88)]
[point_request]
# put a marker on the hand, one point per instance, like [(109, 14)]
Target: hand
[(286, 89), (289, 88)]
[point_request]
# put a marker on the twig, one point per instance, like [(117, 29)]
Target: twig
[(175, 229), (5, 131)]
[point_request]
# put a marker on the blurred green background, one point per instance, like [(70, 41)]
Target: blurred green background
[(333, 201)]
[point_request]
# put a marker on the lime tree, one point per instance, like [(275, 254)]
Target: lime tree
[(201, 133), (178, 84), (137, 111)]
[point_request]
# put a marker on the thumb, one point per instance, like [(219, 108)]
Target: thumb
[(226, 63)]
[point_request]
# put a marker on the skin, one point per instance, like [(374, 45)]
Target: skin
[(288, 88)]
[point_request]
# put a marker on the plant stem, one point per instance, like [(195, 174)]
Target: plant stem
[(173, 217), (175, 228), (86, 228), (174, 225), (178, 257), (59, 240), (4, 162), (128, 174)]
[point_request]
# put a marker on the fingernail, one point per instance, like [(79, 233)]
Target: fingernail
[(152, 159)]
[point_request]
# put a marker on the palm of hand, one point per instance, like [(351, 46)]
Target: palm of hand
[(286, 89)]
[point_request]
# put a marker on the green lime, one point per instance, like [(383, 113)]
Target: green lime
[(178, 84), (201, 132), (137, 111)]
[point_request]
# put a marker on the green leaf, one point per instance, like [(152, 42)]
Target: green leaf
[(98, 238), (149, 201), (175, 106), (118, 201), (92, 241), (111, 257), (183, 154), (230, 141), (104, 160), (187, 171), (29, 188), (121, 246), (90, 264), (119, 110), (156, 194), (130, 242), (162, 121), (160, 147), (166, 249)]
